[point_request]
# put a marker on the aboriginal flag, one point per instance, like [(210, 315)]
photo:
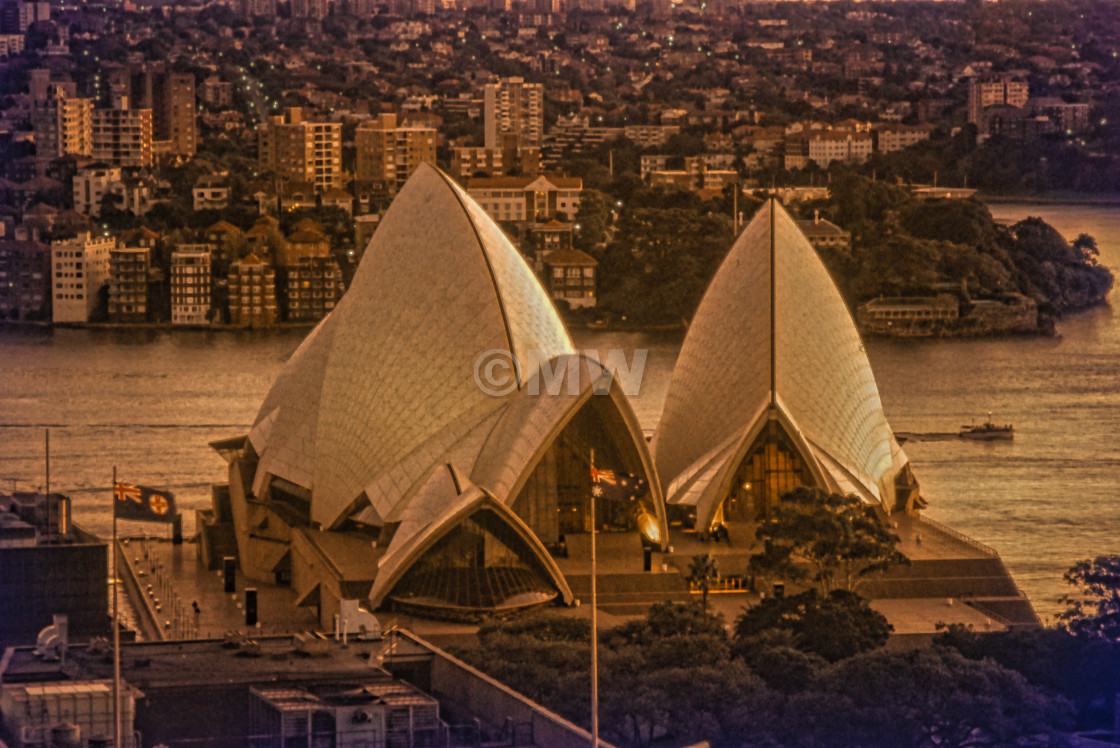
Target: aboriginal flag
[(143, 504), (614, 486)]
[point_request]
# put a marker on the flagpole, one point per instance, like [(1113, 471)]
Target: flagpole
[(594, 629), (116, 629)]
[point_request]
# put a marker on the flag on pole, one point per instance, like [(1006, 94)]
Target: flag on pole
[(614, 486), (143, 504)]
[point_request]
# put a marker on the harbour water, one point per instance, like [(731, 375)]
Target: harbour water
[(149, 401)]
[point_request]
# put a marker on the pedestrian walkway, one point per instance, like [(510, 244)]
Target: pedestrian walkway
[(176, 597)]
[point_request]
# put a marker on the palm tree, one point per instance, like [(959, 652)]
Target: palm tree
[(702, 572)]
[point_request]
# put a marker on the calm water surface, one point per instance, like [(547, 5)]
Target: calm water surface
[(149, 402)]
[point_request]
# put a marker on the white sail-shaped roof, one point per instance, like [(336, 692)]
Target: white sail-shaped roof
[(773, 339), (371, 390)]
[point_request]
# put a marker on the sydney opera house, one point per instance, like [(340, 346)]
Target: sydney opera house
[(379, 468)]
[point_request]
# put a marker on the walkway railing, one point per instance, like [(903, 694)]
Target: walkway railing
[(959, 536), (974, 543)]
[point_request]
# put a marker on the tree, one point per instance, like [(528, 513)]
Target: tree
[(593, 218), (1094, 611), (702, 572), (669, 619), (773, 656), (834, 627), (1084, 670), (660, 263), (724, 704), (923, 697), (837, 537)]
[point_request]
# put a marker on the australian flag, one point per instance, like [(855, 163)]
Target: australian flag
[(143, 504), (613, 486)]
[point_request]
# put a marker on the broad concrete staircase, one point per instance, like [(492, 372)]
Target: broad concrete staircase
[(631, 593)]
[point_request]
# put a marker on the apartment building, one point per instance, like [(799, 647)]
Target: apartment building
[(80, 267), (515, 107), (128, 283), (170, 96), (298, 150), (190, 286), (252, 293), (314, 287), (62, 124), (122, 136), (1000, 91), (25, 279), (91, 185), (388, 153)]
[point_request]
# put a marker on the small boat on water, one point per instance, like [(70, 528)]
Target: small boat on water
[(987, 431)]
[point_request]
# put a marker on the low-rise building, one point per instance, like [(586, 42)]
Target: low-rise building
[(226, 244), (11, 44), (701, 174), (839, 145), (94, 183), (135, 194), (891, 137), (510, 159), (546, 237), (946, 315), (128, 283), (886, 312), (190, 286), (217, 93), (80, 267), (265, 240), (210, 192), (338, 198), (307, 241), (519, 199), (824, 234), (569, 275), (296, 195)]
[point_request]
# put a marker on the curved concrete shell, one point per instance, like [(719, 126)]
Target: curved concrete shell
[(497, 461), (772, 341), (394, 363)]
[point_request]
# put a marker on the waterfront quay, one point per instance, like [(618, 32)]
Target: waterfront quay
[(951, 579)]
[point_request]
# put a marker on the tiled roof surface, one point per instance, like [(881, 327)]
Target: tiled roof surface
[(722, 382)]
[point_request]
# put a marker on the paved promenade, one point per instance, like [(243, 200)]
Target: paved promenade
[(171, 581)]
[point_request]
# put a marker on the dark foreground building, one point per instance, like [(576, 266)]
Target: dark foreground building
[(282, 692), (48, 567)]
